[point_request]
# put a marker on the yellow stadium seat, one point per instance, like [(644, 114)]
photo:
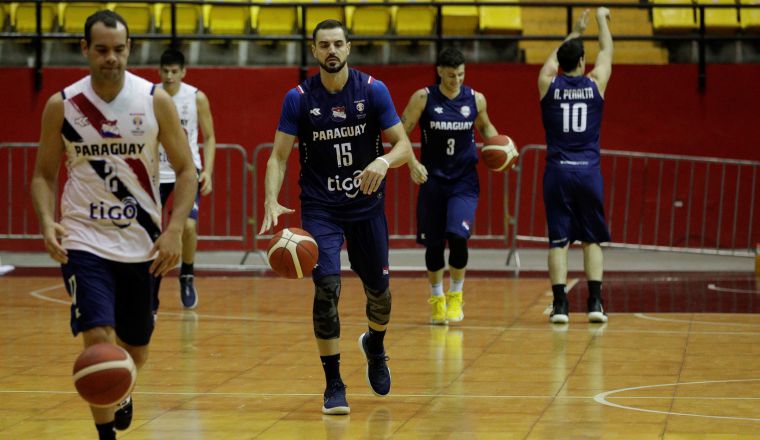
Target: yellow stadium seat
[(372, 19), (277, 20), (316, 14), (414, 20), (500, 19), (673, 19), (226, 20), (73, 15), (3, 16), (23, 16), (188, 18), (723, 19), (137, 15), (751, 16), (459, 20)]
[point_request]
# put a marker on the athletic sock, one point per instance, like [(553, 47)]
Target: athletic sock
[(375, 341), (187, 269), (594, 289), (559, 292), (106, 431), (436, 289), (331, 365), (456, 286)]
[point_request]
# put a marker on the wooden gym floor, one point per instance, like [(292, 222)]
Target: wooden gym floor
[(679, 359)]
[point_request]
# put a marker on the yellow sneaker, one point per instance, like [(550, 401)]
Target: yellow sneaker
[(454, 303), (438, 309)]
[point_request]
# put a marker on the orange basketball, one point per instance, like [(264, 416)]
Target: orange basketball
[(499, 152), (104, 374), (293, 253)]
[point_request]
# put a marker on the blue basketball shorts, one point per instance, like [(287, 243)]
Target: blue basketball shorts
[(446, 207), (574, 207), (366, 242), (166, 189), (110, 293)]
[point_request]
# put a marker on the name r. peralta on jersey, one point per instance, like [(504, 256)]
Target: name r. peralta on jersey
[(110, 204)]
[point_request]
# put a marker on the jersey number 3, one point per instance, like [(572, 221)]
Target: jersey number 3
[(576, 113)]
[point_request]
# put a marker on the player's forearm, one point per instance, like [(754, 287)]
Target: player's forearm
[(274, 177), (488, 131), (605, 37), (185, 190), (209, 154), (400, 153), (43, 198)]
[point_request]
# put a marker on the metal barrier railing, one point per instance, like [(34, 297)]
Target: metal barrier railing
[(653, 201), (401, 202), (19, 222)]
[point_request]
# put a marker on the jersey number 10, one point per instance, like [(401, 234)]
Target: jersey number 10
[(578, 115)]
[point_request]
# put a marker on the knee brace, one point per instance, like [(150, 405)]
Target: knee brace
[(434, 257), (378, 305), (325, 310), (457, 251)]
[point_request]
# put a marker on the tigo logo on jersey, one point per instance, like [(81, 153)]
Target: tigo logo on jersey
[(465, 111), (120, 216), (339, 113), (438, 110)]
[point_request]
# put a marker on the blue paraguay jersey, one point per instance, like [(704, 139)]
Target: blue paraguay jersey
[(572, 115), (339, 135), (448, 139)]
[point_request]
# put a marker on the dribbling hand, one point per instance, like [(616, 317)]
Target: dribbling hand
[(271, 212)]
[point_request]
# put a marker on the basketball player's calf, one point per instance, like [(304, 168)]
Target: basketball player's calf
[(378, 312), (327, 327)]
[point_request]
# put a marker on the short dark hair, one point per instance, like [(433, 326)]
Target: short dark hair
[(172, 57), (569, 54), (329, 24), (108, 18), (450, 57)]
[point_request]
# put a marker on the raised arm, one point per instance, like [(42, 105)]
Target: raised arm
[(206, 122), (551, 66), (603, 65), (45, 177), (482, 122)]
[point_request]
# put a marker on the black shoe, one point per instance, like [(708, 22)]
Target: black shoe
[(596, 311), (335, 399), (123, 415), (378, 374), (559, 313), (187, 291)]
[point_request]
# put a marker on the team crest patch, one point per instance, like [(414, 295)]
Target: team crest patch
[(438, 110), (339, 113), (465, 111), (110, 129), (137, 123), (360, 109)]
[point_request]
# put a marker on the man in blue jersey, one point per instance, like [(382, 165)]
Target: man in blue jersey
[(447, 176), (571, 106), (338, 117)]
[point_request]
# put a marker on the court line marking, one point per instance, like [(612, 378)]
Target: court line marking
[(684, 321), (39, 295), (716, 288), (602, 398)]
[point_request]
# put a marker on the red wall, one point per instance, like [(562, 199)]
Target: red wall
[(649, 108)]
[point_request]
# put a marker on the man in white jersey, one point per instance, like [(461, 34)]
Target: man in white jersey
[(194, 110), (109, 240)]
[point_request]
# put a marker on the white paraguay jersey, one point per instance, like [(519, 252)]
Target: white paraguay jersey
[(110, 204), (185, 102)]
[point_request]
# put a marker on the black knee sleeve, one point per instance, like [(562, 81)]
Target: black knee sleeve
[(378, 305), (434, 256), (325, 310), (458, 254)]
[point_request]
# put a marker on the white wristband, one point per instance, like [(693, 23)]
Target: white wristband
[(388, 164)]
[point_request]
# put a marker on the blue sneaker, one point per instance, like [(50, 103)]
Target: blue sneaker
[(187, 291), (378, 374), (335, 399)]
